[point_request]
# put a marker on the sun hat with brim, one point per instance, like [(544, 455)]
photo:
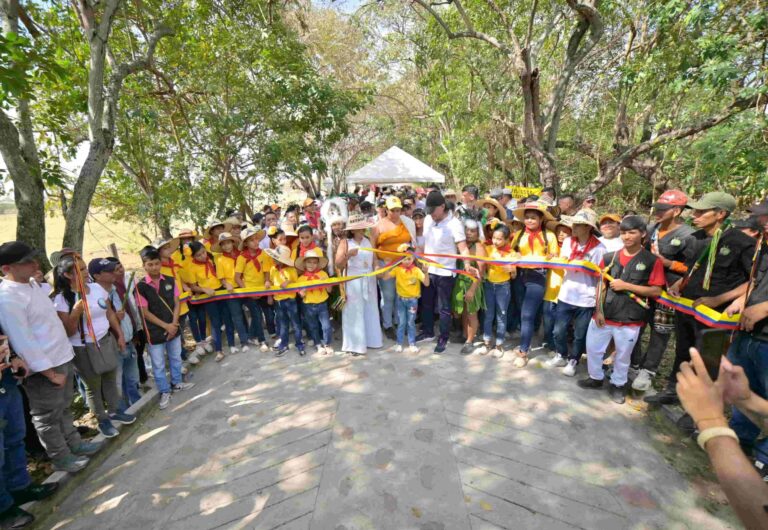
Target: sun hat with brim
[(715, 199), (565, 220), (312, 253), (671, 199), (358, 221), (289, 229), (501, 212), (404, 247), (173, 243), (585, 217), (224, 236), (610, 217), (281, 254), (188, 233), (214, 224), (248, 233), (536, 207), (449, 192)]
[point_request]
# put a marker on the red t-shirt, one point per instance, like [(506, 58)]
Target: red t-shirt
[(656, 278)]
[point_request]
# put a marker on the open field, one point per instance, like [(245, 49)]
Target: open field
[(100, 231)]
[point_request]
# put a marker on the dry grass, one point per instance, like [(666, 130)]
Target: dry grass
[(99, 233)]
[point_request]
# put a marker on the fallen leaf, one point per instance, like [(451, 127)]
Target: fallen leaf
[(416, 512), (485, 506)]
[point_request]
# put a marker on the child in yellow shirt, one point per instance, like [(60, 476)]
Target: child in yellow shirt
[(226, 253), (497, 290), (316, 313), (408, 279), (251, 267), (280, 277)]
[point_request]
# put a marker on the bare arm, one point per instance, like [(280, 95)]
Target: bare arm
[(341, 255)]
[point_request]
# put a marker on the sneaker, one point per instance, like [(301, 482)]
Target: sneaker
[(233, 350), (484, 349), (165, 400), (264, 348), (199, 350), (192, 359), (208, 347), (244, 349), (122, 417), (107, 429), (184, 369), (590, 383), (497, 352), (424, 337), (521, 361), (441, 343), (617, 393), (570, 368), (413, 349), (328, 350), (277, 344), (633, 372), (666, 397), (280, 352), (467, 349), (178, 387), (556, 362), (33, 492), (87, 448), (70, 463), (762, 470), (399, 348), (302, 352), (253, 342), (643, 380), (219, 356), (15, 517)]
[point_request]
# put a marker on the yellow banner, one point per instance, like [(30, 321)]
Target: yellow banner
[(521, 192)]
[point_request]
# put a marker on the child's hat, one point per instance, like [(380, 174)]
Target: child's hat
[(248, 233), (281, 254), (312, 253), (224, 236)]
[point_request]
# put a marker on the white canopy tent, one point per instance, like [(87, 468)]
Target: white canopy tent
[(395, 166)]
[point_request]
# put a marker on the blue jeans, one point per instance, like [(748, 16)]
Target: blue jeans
[(406, 314), (288, 315), (269, 313), (752, 355), (234, 321), (564, 314), (513, 311), (548, 317), (13, 456), (319, 321), (388, 299), (437, 297), (197, 321), (255, 328), (128, 376), (529, 293), (496, 304), (215, 311), (157, 354)]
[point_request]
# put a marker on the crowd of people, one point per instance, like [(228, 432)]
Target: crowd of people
[(500, 276)]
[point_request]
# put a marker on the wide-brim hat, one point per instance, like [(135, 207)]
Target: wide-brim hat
[(174, 243), (281, 254), (585, 216), (536, 207), (188, 233), (250, 232), (225, 236), (214, 224), (565, 220), (289, 229), (358, 221), (501, 211), (312, 253)]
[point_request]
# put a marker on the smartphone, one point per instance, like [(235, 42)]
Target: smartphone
[(714, 344)]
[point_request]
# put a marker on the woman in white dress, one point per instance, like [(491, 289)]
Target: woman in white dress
[(360, 316)]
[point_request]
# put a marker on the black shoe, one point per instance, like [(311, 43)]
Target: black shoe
[(617, 393), (302, 352), (590, 383), (441, 343), (15, 517), (35, 492), (390, 333), (667, 397), (424, 337), (281, 352), (467, 349)]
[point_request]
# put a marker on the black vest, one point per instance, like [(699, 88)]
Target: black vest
[(619, 307), (672, 246), (159, 303)]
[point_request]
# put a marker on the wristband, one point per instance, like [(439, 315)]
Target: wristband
[(714, 432)]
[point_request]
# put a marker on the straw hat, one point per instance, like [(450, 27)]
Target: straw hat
[(224, 236), (289, 229), (188, 233), (281, 254), (174, 243), (404, 247), (358, 221), (501, 211), (213, 224), (586, 216), (449, 192), (312, 253), (536, 207), (565, 220), (248, 233)]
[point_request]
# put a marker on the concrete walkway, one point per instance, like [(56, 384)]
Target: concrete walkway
[(386, 441)]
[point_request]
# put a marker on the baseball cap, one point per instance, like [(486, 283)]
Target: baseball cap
[(506, 192), (418, 212), (715, 199), (761, 208), (16, 252), (670, 199), (99, 265), (393, 202), (496, 193), (750, 222), (381, 203), (609, 217)]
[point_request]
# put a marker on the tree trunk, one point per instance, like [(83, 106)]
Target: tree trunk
[(85, 187)]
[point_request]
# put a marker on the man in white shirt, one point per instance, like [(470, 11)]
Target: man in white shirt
[(37, 335), (577, 298), (443, 234)]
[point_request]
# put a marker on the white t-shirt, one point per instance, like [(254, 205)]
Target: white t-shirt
[(612, 245), (579, 288), (97, 304), (441, 238)]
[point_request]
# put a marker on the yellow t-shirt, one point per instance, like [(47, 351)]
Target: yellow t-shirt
[(496, 273), (252, 278), (295, 250), (319, 294), (278, 276), (545, 244), (225, 268), (203, 276), (554, 281), (175, 271), (408, 281)]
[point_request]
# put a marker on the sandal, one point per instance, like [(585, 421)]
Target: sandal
[(219, 356), (521, 359)]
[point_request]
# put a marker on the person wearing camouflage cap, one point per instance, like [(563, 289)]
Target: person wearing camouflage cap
[(719, 263)]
